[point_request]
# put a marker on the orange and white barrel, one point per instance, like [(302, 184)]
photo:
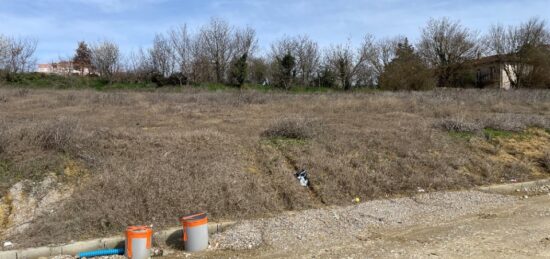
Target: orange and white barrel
[(138, 242), (195, 232)]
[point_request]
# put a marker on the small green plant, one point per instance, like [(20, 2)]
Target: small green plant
[(282, 142), (491, 134), (461, 135)]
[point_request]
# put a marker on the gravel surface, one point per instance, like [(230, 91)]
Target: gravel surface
[(321, 227), (333, 226)]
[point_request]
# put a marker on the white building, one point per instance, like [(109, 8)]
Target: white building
[(61, 68), (490, 72)]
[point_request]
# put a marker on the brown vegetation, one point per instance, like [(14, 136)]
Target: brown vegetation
[(149, 157), (290, 128)]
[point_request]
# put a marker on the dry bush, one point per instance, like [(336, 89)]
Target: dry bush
[(252, 97), (23, 92), (230, 98), (168, 183), (507, 122), (515, 171), (69, 99), (292, 128), (58, 135), (545, 161), (459, 125), (514, 122), (4, 139), (381, 163), (111, 99)]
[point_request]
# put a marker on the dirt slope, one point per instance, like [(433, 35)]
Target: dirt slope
[(137, 158)]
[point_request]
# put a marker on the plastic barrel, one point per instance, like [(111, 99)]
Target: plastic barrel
[(138, 242), (195, 232)]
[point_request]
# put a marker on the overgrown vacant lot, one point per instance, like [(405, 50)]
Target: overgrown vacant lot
[(149, 157)]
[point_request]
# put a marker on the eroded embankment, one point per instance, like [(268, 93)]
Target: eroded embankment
[(147, 158)]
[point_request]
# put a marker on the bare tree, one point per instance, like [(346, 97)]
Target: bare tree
[(385, 51), (445, 45), (283, 62), (139, 65), (162, 56), (350, 66), (17, 54), (181, 42), (304, 50), (106, 58), (216, 40), (308, 58), (282, 47), (201, 65), (4, 46), (259, 70), (245, 42), (515, 46)]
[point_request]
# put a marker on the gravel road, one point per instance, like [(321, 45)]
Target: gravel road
[(430, 225), (325, 226)]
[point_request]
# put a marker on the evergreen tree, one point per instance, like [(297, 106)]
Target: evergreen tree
[(286, 71), (406, 71), (327, 78), (83, 58), (239, 70)]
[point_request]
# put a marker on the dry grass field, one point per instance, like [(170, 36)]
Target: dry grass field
[(149, 157)]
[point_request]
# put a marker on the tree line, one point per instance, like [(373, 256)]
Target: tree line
[(221, 53)]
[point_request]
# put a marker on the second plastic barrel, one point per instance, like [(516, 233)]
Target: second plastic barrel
[(138, 242), (195, 232)]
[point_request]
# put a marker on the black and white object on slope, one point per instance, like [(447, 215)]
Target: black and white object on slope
[(302, 177)]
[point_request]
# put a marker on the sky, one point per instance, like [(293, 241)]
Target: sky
[(59, 24)]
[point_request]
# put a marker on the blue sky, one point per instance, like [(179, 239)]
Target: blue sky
[(59, 24)]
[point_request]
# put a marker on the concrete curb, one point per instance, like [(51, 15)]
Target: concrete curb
[(511, 188), (170, 238)]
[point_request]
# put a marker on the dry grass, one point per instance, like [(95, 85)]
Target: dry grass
[(459, 125), (545, 161), (290, 128), (4, 139), (57, 135), (153, 156)]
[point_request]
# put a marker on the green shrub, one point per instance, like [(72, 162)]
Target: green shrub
[(406, 71), (238, 71)]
